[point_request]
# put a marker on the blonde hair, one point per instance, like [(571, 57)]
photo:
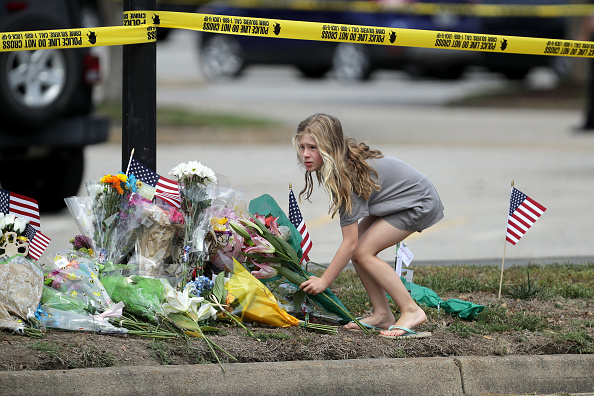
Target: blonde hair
[(344, 170)]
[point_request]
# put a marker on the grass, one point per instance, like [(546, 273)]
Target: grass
[(179, 117), (554, 282)]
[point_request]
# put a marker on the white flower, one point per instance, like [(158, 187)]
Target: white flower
[(20, 225), (178, 170), (9, 219), (205, 311), (194, 168), (2, 222), (181, 302)]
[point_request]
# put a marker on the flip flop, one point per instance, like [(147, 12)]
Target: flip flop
[(366, 325), (408, 333)]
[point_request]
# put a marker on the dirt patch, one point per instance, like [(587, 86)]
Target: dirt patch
[(66, 350)]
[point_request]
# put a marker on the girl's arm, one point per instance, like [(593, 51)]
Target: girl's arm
[(350, 238)]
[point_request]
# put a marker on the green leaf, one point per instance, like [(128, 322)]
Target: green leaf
[(298, 298), (289, 249), (291, 276), (219, 287)]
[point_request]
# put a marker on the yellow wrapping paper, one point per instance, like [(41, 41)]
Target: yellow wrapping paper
[(259, 304)]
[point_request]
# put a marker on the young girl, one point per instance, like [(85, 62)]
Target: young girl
[(381, 201)]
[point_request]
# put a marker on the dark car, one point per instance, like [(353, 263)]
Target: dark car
[(46, 106), (224, 55), (517, 66)]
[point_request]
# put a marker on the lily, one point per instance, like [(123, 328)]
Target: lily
[(261, 245), (246, 221), (265, 271)]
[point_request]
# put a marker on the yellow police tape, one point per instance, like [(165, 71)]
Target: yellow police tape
[(76, 38), (140, 27), (417, 8), (278, 28)]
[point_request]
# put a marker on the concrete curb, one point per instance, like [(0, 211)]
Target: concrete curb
[(417, 376)]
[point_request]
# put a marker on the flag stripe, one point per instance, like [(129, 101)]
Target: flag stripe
[(297, 220), (536, 204), (38, 245), (523, 213)]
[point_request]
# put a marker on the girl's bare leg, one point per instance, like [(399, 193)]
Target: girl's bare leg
[(379, 278)]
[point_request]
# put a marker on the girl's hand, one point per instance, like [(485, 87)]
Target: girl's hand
[(314, 285)]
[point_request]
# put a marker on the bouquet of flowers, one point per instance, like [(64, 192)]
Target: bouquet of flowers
[(151, 231), (273, 255), (12, 236), (196, 183), (20, 291), (77, 275), (99, 216)]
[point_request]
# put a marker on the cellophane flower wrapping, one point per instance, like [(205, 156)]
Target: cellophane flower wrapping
[(197, 184), (141, 296), (221, 242), (103, 233), (21, 282), (99, 216), (54, 318), (77, 275), (53, 298), (152, 256), (253, 302)]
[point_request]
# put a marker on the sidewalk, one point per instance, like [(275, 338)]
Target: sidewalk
[(535, 375)]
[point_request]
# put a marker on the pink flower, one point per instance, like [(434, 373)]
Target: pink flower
[(261, 245), (265, 271)]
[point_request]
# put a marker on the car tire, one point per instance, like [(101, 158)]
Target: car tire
[(49, 179), (351, 62), (220, 57), (36, 86)]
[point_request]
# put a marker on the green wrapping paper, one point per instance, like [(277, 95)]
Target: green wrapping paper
[(453, 306), (141, 296)]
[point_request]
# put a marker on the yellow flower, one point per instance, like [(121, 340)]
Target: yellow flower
[(97, 294), (123, 178), (72, 276), (73, 293)]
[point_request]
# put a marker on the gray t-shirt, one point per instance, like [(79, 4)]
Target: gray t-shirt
[(406, 199)]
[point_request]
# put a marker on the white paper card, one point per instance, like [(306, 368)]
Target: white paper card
[(406, 255), (61, 262)]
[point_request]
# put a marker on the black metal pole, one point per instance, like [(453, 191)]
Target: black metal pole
[(139, 96)]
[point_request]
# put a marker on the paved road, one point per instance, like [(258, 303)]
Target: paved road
[(471, 155)]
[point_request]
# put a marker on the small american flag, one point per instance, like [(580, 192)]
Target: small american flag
[(523, 212), (167, 190), (297, 220), (21, 206), (38, 242)]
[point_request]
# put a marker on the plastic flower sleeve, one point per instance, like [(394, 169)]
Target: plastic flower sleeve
[(154, 240), (52, 298), (77, 276), (67, 320), (81, 210), (256, 302)]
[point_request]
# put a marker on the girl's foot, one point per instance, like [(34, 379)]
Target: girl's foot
[(373, 321), (408, 321)]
